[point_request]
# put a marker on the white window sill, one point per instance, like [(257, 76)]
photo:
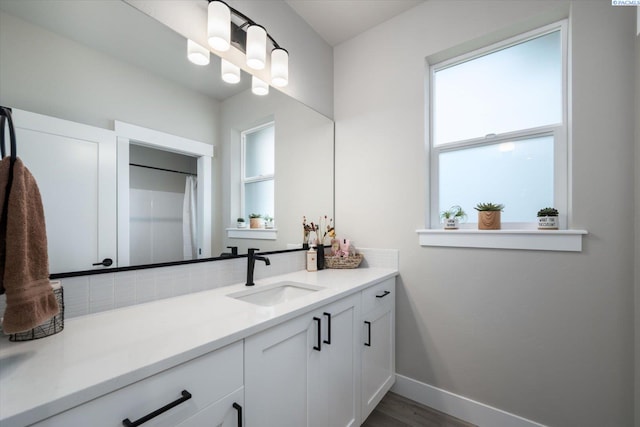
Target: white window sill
[(537, 240), (253, 233)]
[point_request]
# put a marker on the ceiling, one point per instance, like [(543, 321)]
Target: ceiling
[(337, 21)]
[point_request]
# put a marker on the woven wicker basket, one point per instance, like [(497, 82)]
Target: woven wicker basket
[(343, 262)]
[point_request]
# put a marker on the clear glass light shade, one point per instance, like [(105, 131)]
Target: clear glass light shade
[(219, 26), (230, 72), (197, 54), (256, 47), (259, 87), (279, 67)]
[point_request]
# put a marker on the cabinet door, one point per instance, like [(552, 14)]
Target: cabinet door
[(378, 357), (342, 368), (282, 372), (226, 412)]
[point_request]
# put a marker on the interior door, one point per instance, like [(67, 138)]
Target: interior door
[(75, 168)]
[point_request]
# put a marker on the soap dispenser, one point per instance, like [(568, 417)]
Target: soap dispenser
[(312, 261)]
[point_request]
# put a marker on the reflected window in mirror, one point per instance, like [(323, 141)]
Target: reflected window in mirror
[(258, 170)]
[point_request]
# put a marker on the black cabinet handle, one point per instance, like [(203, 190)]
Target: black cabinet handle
[(106, 262), (328, 340), (319, 323), (383, 295), (368, 343), (185, 396), (238, 408)]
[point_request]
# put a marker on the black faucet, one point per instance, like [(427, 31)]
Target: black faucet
[(234, 252), (251, 262)]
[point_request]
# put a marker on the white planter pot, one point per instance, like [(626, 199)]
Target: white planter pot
[(547, 223), (242, 225), (268, 224), (451, 223)]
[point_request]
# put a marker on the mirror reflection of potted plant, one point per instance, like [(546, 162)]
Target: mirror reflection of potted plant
[(255, 221), (489, 216), (240, 223), (451, 217), (548, 219), (268, 221)]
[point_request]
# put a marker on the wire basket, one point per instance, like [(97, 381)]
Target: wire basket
[(50, 327), (352, 261)]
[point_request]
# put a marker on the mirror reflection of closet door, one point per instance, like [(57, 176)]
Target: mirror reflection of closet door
[(75, 168)]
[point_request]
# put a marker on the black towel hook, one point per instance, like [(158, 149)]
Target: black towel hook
[(5, 114)]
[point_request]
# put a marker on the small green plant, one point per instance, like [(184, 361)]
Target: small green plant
[(240, 219), (489, 207), (255, 215), (455, 212), (548, 212), (268, 218)]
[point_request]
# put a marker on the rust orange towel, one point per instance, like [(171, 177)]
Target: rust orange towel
[(25, 273)]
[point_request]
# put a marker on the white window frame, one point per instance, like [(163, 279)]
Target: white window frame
[(558, 131), (512, 235), (244, 180)]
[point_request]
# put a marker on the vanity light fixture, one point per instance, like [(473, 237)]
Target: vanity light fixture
[(197, 54), (259, 87), (230, 72), (227, 26)]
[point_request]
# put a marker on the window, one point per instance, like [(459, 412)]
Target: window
[(258, 166), (498, 128)]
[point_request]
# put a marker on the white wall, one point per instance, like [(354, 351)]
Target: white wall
[(637, 212), (546, 336)]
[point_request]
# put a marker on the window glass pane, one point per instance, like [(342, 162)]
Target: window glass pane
[(258, 198), (518, 87), (259, 152), (518, 174)]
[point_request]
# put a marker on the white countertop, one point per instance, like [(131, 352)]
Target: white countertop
[(99, 353)]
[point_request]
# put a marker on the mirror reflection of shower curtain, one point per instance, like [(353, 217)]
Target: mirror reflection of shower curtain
[(190, 245)]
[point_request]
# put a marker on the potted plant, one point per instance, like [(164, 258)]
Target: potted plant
[(548, 219), (489, 216), (255, 221), (268, 221), (240, 223), (452, 217)]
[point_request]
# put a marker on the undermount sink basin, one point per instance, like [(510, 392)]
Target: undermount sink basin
[(275, 293)]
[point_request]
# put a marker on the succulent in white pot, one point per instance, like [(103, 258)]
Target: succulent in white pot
[(548, 219), (451, 217), (240, 223), (268, 221)]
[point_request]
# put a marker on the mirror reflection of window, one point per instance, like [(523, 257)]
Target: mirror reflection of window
[(162, 197), (258, 166)]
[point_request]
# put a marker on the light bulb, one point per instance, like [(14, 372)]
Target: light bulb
[(230, 72), (279, 67), (219, 26), (197, 54), (259, 87), (256, 47)]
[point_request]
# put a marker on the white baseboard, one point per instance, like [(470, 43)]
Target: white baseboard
[(458, 406)]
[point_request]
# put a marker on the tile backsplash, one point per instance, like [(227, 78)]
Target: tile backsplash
[(100, 292)]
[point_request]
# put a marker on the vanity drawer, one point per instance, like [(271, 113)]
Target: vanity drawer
[(378, 295), (207, 379)]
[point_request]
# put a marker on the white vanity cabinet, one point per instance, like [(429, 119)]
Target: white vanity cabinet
[(204, 388), (304, 372), (378, 344)]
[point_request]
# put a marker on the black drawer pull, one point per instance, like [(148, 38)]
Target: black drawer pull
[(368, 343), (383, 295), (328, 340), (185, 396), (238, 408), (319, 323)]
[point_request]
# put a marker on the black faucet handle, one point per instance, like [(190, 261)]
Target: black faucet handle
[(234, 250), (252, 250)]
